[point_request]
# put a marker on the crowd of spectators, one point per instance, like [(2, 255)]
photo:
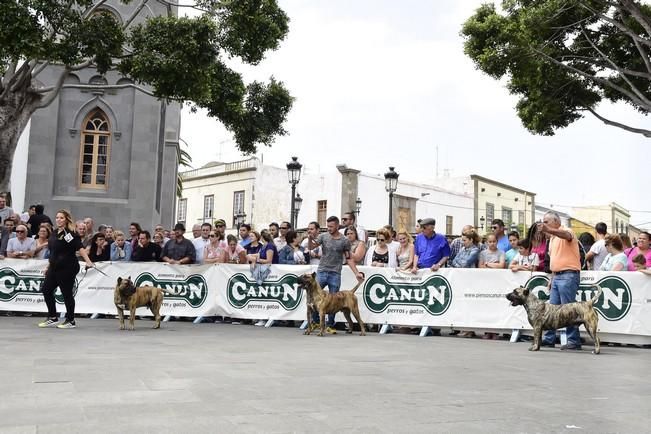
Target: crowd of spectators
[(25, 236)]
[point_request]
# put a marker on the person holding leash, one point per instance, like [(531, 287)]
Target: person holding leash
[(64, 244)]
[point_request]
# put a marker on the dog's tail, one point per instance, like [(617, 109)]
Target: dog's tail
[(594, 299), (359, 282)]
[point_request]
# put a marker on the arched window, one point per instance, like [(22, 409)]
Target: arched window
[(95, 148)]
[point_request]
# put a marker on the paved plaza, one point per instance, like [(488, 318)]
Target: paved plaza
[(227, 378)]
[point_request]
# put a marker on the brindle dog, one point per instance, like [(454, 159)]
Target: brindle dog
[(327, 303), (127, 296), (545, 316)]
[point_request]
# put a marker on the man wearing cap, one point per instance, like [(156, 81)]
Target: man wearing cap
[(220, 227), (179, 250), (431, 250)]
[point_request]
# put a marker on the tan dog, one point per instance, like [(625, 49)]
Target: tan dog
[(127, 296), (323, 302), (545, 316)]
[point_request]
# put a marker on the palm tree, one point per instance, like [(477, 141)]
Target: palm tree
[(184, 159)]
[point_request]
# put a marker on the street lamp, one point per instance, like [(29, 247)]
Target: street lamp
[(358, 206), (482, 220), (391, 185), (298, 201), (294, 176)]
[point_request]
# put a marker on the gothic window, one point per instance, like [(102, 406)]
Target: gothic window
[(94, 153)]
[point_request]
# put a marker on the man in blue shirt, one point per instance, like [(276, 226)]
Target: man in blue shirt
[(502, 239), (431, 250)]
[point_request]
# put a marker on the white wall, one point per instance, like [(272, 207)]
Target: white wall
[(437, 203), (19, 173)]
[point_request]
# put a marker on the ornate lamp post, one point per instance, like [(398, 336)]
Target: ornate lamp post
[(294, 176), (240, 218), (482, 220), (298, 201), (358, 206), (391, 185)]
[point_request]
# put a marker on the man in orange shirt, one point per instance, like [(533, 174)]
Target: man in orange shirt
[(565, 264)]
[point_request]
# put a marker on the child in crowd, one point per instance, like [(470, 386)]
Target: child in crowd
[(492, 257), (524, 260), (639, 261), (514, 238)]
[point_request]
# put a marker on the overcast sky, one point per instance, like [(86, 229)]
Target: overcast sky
[(380, 83)]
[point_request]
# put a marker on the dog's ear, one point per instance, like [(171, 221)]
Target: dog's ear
[(119, 280), (314, 274), (525, 291)]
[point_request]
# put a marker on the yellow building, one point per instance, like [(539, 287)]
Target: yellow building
[(615, 216), (579, 227)]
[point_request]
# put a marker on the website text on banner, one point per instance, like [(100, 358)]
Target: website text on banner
[(466, 298)]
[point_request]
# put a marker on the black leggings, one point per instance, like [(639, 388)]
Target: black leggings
[(64, 279)]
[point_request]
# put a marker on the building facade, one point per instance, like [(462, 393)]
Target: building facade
[(615, 216), (263, 194), (104, 148)]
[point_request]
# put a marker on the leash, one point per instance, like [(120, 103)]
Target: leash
[(86, 268)]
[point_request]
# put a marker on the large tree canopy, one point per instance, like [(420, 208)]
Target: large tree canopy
[(563, 57), (176, 58)]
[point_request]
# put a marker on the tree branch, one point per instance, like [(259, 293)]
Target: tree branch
[(595, 62), (616, 68), (637, 14), (93, 8), (645, 133), (634, 36), (23, 73), (605, 82), (47, 100), (40, 68), (9, 73)]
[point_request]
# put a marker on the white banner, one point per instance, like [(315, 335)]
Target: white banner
[(458, 298)]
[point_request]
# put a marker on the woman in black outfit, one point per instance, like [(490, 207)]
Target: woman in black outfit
[(64, 243)]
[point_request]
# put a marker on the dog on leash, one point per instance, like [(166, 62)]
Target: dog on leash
[(128, 296), (324, 303), (545, 316)]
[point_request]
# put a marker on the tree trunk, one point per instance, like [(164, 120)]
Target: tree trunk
[(16, 108)]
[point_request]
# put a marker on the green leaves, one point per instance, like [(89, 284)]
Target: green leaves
[(562, 56), (179, 58)]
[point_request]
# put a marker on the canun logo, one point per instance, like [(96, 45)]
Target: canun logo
[(613, 305), (241, 291), (193, 290), (13, 284), (434, 294)]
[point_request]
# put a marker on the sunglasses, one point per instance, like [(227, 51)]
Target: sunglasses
[(284, 227), (20, 232), (381, 239), (220, 226), (213, 236)]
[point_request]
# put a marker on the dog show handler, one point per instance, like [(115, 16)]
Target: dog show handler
[(63, 266), (334, 246), (565, 264)]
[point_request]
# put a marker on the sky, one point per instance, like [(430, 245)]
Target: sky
[(382, 83)]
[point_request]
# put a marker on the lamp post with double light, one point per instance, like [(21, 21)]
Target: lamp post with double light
[(298, 201), (294, 176), (391, 185), (358, 207)]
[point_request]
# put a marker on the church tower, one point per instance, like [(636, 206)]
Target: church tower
[(105, 148)]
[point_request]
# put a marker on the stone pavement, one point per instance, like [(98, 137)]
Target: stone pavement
[(226, 378)]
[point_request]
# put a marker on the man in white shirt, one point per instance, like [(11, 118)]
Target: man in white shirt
[(201, 242), (598, 251), (315, 254), (21, 247), (280, 241), (349, 219)]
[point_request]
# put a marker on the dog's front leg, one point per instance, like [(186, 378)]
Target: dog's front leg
[(537, 337), (308, 330), (322, 316), (120, 316)]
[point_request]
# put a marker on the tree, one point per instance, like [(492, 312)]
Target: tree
[(563, 57), (176, 58)]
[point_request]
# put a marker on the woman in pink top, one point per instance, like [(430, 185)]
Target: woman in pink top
[(538, 245), (641, 249), (234, 254)]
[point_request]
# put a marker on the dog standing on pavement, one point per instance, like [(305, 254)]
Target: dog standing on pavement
[(545, 316), (326, 303), (127, 296)]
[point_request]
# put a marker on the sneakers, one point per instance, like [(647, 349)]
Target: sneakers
[(331, 330), (50, 322), (67, 325), (260, 323)]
